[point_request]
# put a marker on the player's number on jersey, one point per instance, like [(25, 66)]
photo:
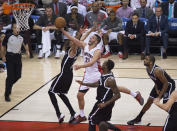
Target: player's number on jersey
[(87, 60)]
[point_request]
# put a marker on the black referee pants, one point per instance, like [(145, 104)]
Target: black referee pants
[(14, 68)]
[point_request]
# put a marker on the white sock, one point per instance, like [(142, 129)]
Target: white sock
[(133, 94), (82, 113), (58, 47), (107, 48)]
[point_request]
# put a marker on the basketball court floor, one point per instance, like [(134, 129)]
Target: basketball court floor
[(30, 107)]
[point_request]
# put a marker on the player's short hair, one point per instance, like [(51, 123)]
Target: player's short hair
[(98, 38), (110, 64), (152, 59)]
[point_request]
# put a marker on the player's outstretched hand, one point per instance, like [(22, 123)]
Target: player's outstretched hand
[(76, 67)]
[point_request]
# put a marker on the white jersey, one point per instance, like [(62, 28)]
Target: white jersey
[(88, 55)]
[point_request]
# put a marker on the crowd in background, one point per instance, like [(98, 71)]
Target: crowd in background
[(142, 23)]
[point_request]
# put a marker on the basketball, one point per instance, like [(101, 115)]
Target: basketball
[(60, 22)]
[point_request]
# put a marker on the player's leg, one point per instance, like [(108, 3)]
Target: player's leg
[(81, 102), (18, 69), (69, 106), (10, 76), (55, 105), (143, 111), (146, 107), (136, 95), (104, 126)]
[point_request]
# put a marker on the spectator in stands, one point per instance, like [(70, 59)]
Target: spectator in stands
[(94, 17), (1, 10), (134, 33), (134, 4), (101, 5), (125, 10), (45, 23), (152, 4), (59, 8), (74, 19), (110, 28), (84, 3), (5, 20), (143, 11), (74, 22), (27, 34), (46, 2), (81, 9), (169, 9), (158, 29)]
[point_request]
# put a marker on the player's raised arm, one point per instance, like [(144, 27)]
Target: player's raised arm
[(74, 40)]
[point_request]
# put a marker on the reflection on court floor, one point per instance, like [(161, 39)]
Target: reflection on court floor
[(38, 107)]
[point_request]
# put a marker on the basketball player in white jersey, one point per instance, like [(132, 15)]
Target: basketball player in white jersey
[(92, 54)]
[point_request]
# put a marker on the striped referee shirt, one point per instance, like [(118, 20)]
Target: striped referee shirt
[(13, 43)]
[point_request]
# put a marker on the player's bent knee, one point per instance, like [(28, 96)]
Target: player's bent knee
[(80, 96)]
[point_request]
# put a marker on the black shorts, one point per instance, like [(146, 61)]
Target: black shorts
[(166, 95), (62, 83), (97, 115), (171, 123)]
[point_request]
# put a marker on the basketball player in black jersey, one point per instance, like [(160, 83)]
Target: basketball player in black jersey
[(62, 82), (164, 86), (171, 108), (107, 94)]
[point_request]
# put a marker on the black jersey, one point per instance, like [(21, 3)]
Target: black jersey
[(156, 80), (104, 93), (173, 108), (67, 62), (63, 81)]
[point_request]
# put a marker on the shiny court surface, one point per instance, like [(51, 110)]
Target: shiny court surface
[(34, 103)]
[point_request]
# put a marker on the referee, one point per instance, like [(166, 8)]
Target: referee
[(11, 54)]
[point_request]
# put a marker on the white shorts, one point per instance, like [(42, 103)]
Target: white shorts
[(90, 78)]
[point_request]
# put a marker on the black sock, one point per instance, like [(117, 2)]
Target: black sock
[(54, 102), (140, 115), (67, 103), (92, 127)]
